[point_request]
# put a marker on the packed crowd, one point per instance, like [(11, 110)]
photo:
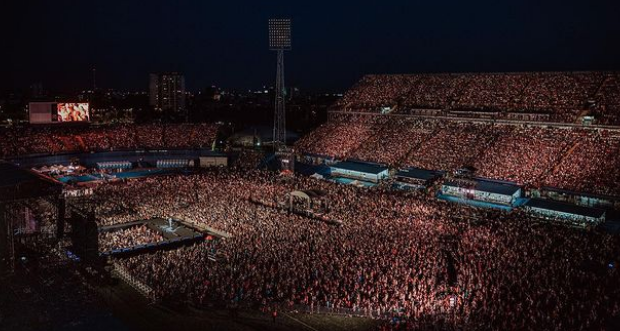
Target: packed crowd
[(432, 91), (591, 167), (374, 91), (335, 139), (390, 141), (427, 264), (566, 158), (525, 154), (128, 238), (563, 95), (607, 109), (19, 141), (495, 91), (451, 146)]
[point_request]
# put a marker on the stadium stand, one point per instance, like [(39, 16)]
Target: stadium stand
[(49, 140), (564, 96), (525, 151)]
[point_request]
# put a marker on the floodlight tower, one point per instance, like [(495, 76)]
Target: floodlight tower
[(280, 41)]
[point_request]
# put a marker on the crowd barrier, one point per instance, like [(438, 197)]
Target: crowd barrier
[(122, 273), (174, 163), (330, 310), (114, 165), (151, 246)]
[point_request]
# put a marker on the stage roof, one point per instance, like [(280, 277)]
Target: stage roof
[(368, 168), (17, 183), (565, 208)]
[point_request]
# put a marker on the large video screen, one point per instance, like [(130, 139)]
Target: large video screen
[(73, 112), (42, 112)]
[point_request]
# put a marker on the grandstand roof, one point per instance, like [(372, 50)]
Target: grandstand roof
[(418, 173), (17, 183), (565, 208), (490, 186), (368, 168)]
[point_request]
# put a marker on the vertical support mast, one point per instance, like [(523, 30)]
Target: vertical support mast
[(279, 125), (279, 41)]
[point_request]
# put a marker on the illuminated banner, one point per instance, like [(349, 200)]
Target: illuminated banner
[(73, 112)]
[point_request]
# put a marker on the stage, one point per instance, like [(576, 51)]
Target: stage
[(180, 233)]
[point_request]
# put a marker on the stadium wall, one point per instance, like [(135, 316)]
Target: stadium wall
[(91, 159), (334, 113)]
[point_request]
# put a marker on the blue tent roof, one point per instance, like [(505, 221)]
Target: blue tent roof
[(368, 168), (565, 208)]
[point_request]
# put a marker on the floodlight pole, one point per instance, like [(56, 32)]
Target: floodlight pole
[(279, 119), (279, 41)]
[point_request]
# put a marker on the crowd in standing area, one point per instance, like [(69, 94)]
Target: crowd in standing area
[(128, 238), (422, 263)]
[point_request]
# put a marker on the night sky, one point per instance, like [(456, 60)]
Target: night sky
[(334, 43)]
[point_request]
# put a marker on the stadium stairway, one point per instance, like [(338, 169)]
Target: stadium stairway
[(457, 95), (525, 87), (414, 147), (583, 113), (347, 106), (392, 109), (561, 160), (362, 144), (492, 139), (607, 80), (69, 145), (81, 143)]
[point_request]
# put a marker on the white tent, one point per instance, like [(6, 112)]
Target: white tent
[(317, 176)]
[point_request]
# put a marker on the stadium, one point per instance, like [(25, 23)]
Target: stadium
[(479, 168), (480, 191)]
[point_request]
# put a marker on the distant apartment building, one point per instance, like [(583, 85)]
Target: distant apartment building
[(167, 91)]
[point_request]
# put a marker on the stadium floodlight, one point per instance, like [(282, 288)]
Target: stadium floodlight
[(280, 34), (280, 41)]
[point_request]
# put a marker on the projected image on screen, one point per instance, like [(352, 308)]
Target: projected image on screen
[(73, 112)]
